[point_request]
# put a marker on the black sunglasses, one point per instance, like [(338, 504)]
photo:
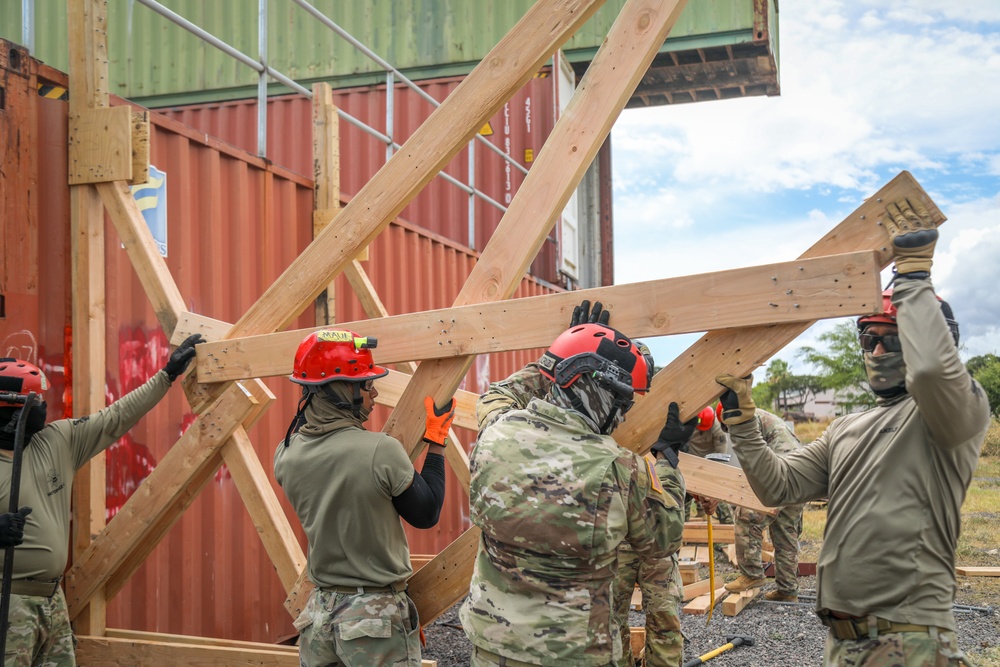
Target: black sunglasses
[(890, 342)]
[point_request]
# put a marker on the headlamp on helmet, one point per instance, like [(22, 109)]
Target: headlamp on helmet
[(603, 353), (331, 355)]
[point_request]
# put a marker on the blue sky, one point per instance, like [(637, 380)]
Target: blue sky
[(868, 88)]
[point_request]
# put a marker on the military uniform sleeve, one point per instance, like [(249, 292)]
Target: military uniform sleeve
[(93, 434), (655, 508), (952, 404), (788, 479), (514, 393)]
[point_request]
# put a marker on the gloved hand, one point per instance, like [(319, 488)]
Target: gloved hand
[(913, 236), (708, 505), (12, 527), (582, 314), (737, 400), (674, 435), (182, 356), (438, 420)]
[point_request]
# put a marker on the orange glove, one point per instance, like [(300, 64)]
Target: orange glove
[(438, 420)]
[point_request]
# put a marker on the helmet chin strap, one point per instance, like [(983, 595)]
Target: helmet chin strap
[(354, 406)]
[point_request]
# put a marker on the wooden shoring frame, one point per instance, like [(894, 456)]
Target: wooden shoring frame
[(616, 70)]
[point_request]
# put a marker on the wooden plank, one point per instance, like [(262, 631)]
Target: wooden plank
[(130, 526), (690, 574), (701, 555), (696, 532), (736, 602), (111, 652), (638, 638), (636, 602), (191, 323), (326, 176), (801, 290), (445, 580), (100, 145), (967, 571), (149, 265), (140, 147), (696, 588), (88, 372), (391, 387), (690, 378), (686, 553), (711, 478), (507, 67), (701, 604), (299, 595), (731, 553), (137, 635), (88, 54)]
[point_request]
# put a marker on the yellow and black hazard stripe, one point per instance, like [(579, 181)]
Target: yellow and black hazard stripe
[(53, 92)]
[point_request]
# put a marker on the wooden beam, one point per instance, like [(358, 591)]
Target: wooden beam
[(140, 148), (697, 588), (326, 176), (702, 603), (508, 66), (690, 378), (439, 584), (100, 145), (736, 602), (129, 529), (803, 290), (149, 265), (638, 638), (716, 480), (966, 571), (696, 532), (111, 652)]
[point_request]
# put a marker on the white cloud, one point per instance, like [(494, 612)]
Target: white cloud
[(868, 88)]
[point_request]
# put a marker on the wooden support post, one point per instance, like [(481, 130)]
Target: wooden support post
[(88, 83), (326, 176), (736, 602), (689, 572)]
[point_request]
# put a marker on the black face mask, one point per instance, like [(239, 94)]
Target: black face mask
[(8, 424)]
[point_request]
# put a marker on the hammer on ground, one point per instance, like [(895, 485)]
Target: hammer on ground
[(732, 642)]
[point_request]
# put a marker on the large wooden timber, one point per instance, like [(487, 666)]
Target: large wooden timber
[(803, 290), (514, 60)]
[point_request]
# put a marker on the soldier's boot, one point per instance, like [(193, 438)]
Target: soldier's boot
[(744, 583), (778, 596)]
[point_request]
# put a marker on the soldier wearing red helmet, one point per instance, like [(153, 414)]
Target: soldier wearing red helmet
[(40, 631), (349, 488), (555, 497), (895, 476)]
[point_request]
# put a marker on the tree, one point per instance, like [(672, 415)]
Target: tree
[(842, 367), (986, 369)]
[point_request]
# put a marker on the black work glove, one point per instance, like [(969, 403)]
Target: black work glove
[(737, 400), (182, 356), (582, 314), (674, 435), (913, 237), (12, 527)]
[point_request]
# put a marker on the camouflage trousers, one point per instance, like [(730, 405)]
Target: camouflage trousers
[(483, 658), (659, 580), (40, 634), (785, 526), (358, 630), (896, 649)]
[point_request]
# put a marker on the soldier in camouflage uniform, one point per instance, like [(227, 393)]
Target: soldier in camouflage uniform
[(350, 487), (40, 634), (896, 476), (785, 527), (555, 496)]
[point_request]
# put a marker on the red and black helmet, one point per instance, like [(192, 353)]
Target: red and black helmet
[(21, 378), (888, 315), (605, 353), (333, 355)]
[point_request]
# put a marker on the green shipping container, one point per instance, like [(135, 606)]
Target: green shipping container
[(718, 49)]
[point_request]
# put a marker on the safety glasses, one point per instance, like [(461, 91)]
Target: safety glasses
[(368, 385), (890, 342)]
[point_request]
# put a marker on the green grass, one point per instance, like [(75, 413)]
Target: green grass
[(989, 657)]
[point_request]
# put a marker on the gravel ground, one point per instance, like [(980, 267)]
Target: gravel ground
[(786, 635)]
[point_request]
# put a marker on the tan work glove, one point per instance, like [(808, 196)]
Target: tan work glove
[(737, 401), (913, 236)]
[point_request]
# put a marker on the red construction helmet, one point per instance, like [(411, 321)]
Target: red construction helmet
[(888, 315), (335, 355), (706, 418), (605, 353), (21, 378)]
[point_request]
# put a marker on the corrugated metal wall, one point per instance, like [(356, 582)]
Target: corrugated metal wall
[(235, 223), (519, 129), (150, 56)]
